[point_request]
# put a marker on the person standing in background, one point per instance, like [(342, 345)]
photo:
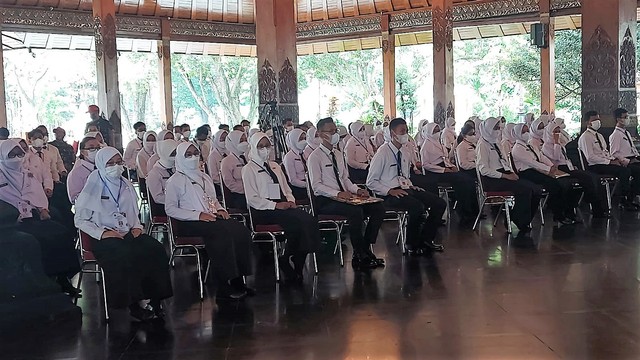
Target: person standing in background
[(66, 151)]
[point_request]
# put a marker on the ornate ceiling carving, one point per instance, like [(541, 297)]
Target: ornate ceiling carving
[(213, 29), (336, 27)]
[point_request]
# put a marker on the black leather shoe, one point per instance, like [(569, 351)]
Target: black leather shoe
[(563, 221), (141, 314), (67, 287), (226, 291), (430, 245), (363, 263), (602, 215), (374, 258)]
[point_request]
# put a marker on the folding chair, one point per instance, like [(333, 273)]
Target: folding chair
[(304, 204), (545, 193), (505, 199), (238, 214), (88, 259), (605, 180), (180, 243), (328, 222), (158, 218)]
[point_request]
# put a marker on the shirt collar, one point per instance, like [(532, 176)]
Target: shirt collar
[(393, 147), (592, 131), (624, 131), (324, 148)]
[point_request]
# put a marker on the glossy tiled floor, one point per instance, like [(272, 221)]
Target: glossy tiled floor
[(569, 293)]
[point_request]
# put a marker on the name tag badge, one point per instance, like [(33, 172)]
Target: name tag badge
[(3, 185), (273, 191), (239, 165), (328, 165), (404, 183), (120, 219), (25, 210), (104, 197)]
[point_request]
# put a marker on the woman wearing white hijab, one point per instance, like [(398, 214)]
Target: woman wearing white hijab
[(295, 165), (272, 202), (148, 149), (438, 167), (313, 141), (162, 135), (418, 137), (497, 175), (528, 118), (26, 194), (191, 200), (565, 138), (83, 167), (534, 166), (448, 137), (231, 169), (557, 153), (161, 172), (136, 265), (358, 153), (218, 152), (536, 131), (508, 140)]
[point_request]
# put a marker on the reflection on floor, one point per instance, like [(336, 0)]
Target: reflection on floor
[(570, 293)]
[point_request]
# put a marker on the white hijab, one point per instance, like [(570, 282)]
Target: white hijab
[(313, 141), (293, 139), (164, 150), (20, 187), (145, 141), (232, 141), (253, 145), (197, 176), (486, 130), (535, 132), (507, 133), (517, 132), (220, 145), (357, 130), (429, 135)]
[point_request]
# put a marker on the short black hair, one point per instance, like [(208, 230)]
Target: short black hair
[(238, 127), (137, 125), (176, 127), (185, 125), (4, 132), (243, 120), (617, 113), (286, 120), (35, 132), (84, 142), (589, 114), (393, 124), (41, 127), (202, 131), (324, 121), (207, 126), (470, 123), (223, 126)]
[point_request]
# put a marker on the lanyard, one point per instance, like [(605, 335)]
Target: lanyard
[(398, 158), (117, 200)]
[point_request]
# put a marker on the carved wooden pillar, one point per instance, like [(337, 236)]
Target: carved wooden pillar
[(388, 68), (609, 58), (3, 98), (548, 62), (107, 64), (164, 69), (443, 97), (277, 56)]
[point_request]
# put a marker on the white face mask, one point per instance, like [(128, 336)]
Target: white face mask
[(38, 143), (526, 137), (115, 171), (402, 139), (595, 125), (90, 155), (186, 134), (361, 134), (45, 139), (263, 154), (472, 138), (192, 163), (140, 134), (626, 122), (177, 136), (149, 145), (172, 162), (243, 147), (302, 144), (14, 163), (288, 128), (335, 139)]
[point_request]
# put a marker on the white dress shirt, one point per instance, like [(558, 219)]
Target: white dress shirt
[(183, 197), (142, 159), (358, 153), (383, 172), (466, 154), (621, 145), (261, 192), (214, 162), (435, 157), (307, 151), (489, 160), (131, 152), (78, 177), (231, 169), (48, 158), (322, 174), (38, 169), (157, 182), (526, 156), (557, 154), (58, 164), (594, 148), (536, 143), (506, 146), (295, 169)]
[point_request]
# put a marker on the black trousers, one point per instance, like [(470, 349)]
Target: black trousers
[(593, 192), (416, 204), (59, 255), (355, 215), (527, 197), (426, 182), (465, 191), (623, 174), (300, 228), (236, 201), (142, 183), (228, 244), (134, 269), (563, 199), (60, 201), (299, 193), (358, 176)]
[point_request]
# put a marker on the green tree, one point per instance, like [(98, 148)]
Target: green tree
[(405, 93)]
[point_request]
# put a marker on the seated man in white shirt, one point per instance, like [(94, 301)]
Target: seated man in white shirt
[(388, 178), (534, 166), (272, 202), (133, 148), (600, 161), (191, 200), (330, 180), (623, 148)]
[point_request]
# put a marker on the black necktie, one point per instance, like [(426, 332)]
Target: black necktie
[(399, 162), (629, 139), (599, 142), (304, 163), (564, 152), (41, 155), (170, 171), (335, 170), (274, 177), (534, 153), (497, 149), (244, 159)]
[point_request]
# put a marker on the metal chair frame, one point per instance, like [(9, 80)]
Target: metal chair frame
[(88, 258), (238, 214), (506, 201), (153, 225), (177, 250)]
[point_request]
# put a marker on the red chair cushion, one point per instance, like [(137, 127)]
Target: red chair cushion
[(499, 193), (87, 254), (331, 218), (269, 228), (189, 240), (159, 219)]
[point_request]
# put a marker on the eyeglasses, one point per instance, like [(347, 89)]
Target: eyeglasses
[(115, 163)]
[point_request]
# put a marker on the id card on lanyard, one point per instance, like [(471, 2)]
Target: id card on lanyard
[(119, 217)]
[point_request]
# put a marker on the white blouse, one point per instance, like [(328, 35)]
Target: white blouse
[(184, 197), (231, 169), (259, 187), (295, 169)]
